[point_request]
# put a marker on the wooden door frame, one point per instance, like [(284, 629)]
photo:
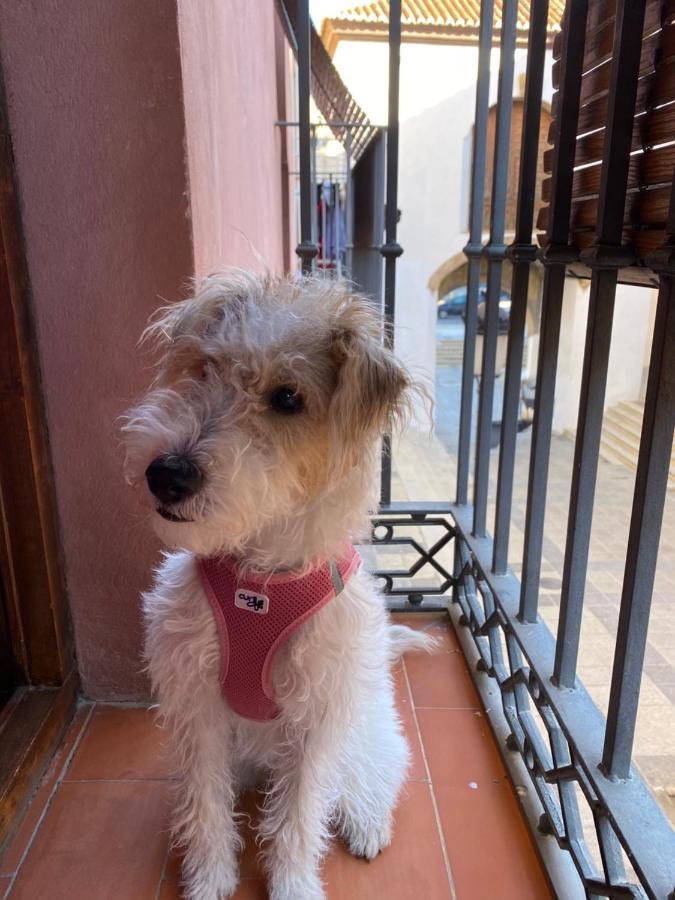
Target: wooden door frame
[(31, 561)]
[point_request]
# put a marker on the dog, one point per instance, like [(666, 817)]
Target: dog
[(257, 448)]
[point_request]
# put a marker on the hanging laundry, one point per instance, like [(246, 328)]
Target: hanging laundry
[(331, 226)]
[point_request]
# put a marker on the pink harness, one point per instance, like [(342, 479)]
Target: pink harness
[(256, 615)]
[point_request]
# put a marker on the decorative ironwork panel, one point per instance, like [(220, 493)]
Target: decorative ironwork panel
[(422, 546)]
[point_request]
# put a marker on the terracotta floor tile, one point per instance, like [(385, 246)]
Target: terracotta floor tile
[(248, 862), (103, 840), (172, 871), (15, 848), (413, 866), (441, 678), (169, 890), (418, 770), (249, 889), (252, 889), (490, 852), (420, 620), (120, 743)]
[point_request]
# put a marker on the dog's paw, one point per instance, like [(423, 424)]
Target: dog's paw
[(210, 883), (366, 843), (296, 888)]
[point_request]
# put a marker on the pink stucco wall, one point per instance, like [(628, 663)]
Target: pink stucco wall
[(228, 51), (95, 92)]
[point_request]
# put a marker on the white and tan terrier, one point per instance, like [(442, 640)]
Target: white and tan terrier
[(270, 649)]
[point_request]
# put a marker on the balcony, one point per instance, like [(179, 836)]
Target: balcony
[(542, 726), (97, 825)]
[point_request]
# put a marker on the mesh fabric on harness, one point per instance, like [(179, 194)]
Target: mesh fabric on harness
[(256, 615)]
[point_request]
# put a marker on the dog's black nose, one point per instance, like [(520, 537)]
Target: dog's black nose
[(173, 478)]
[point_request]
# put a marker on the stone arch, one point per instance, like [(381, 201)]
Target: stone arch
[(454, 271)]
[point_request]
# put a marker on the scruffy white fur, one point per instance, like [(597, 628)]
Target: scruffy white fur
[(280, 491)]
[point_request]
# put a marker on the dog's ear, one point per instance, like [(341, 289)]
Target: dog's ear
[(175, 334), (372, 386), (181, 331)]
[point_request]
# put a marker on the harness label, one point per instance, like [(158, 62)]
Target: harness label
[(251, 601)]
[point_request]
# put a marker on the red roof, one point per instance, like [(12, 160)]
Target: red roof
[(434, 21)]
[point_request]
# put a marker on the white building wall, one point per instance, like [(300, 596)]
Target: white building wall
[(432, 163), (631, 334), (570, 355), (631, 338)]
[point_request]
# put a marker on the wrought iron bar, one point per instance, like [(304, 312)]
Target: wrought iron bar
[(314, 181), (349, 211), (391, 250), (522, 253), (474, 249), (555, 258), (645, 527), (306, 249), (495, 252), (605, 257), (584, 471)]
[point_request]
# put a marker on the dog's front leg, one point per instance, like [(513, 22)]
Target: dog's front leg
[(204, 824), (305, 785), (183, 655)]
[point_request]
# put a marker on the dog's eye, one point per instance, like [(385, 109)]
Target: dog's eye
[(286, 400)]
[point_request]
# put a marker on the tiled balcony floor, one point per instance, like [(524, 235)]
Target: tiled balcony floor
[(97, 826)]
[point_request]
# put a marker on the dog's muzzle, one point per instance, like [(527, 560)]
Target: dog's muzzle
[(173, 479)]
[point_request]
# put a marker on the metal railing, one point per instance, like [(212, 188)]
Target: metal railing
[(578, 760)]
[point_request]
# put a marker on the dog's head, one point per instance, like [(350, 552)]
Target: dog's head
[(261, 427)]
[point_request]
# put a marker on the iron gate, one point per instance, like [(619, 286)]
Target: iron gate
[(579, 761)]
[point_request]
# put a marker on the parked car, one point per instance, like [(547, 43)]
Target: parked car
[(504, 312), (504, 308), (453, 304)]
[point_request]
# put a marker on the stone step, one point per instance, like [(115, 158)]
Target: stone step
[(617, 451), (620, 441), (614, 453), (631, 409), (625, 432), (618, 434), (449, 352), (623, 423)]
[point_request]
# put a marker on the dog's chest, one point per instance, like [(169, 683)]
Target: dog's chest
[(255, 618)]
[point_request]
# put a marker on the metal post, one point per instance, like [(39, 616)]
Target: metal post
[(605, 257), (314, 142), (522, 253), (651, 483), (391, 250), (555, 258), (495, 252), (349, 208), (474, 249), (306, 249)]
